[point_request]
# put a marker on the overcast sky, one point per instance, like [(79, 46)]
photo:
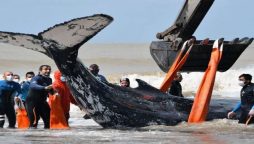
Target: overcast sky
[(135, 21)]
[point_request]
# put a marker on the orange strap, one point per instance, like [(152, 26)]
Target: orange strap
[(21, 114), (22, 119), (203, 96), (57, 117), (176, 66)]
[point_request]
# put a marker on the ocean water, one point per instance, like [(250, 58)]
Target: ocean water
[(132, 61)]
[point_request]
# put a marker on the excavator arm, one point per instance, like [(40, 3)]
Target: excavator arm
[(192, 13), (189, 18)]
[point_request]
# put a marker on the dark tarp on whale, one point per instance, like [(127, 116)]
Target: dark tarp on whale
[(107, 104)]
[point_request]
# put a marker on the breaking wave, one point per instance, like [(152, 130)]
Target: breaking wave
[(226, 83)]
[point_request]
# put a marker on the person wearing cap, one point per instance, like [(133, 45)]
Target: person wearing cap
[(124, 82), (176, 88), (94, 69)]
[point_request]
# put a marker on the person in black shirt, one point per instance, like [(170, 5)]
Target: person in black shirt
[(246, 106), (36, 104), (176, 88)]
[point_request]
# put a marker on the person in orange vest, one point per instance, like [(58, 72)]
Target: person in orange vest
[(59, 85)]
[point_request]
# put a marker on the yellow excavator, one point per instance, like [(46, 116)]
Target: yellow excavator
[(165, 51)]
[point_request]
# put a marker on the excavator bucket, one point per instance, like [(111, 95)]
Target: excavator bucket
[(164, 54), (192, 13)]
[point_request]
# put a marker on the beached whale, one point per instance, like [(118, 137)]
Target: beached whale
[(107, 104)]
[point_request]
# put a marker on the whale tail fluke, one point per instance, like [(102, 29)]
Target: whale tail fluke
[(66, 37), (76, 32)]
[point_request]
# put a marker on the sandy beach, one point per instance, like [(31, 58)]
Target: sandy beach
[(112, 58)]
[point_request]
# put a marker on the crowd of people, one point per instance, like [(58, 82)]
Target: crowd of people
[(33, 94), (34, 91)]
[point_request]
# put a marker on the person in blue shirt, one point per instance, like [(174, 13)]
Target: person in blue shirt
[(25, 85), (246, 105), (94, 69), (16, 78), (9, 91), (36, 104)]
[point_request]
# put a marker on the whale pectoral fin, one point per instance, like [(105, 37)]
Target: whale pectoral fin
[(23, 40), (74, 33)]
